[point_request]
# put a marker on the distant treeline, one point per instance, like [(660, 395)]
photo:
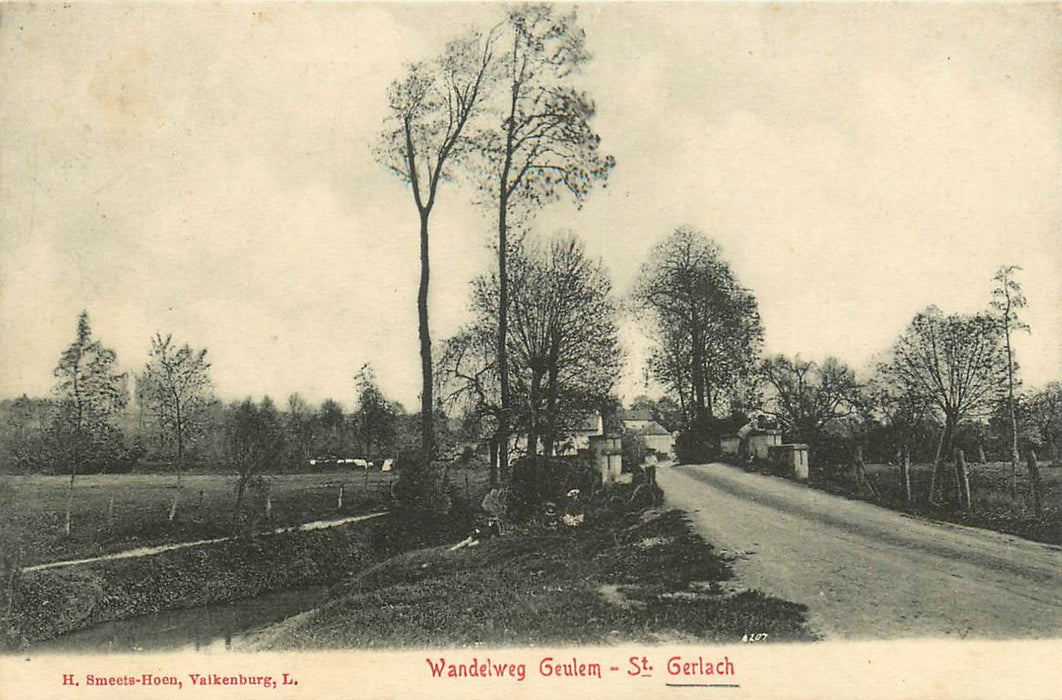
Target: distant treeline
[(35, 436)]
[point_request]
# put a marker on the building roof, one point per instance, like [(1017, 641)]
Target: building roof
[(636, 414), (589, 424), (653, 428)]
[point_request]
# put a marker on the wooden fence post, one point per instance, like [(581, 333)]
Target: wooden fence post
[(339, 501), (860, 473), (962, 478), (1034, 482), (905, 467), (110, 511)]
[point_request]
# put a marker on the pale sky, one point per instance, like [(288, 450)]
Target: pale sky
[(206, 171)]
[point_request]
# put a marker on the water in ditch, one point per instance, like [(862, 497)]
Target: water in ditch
[(214, 628)]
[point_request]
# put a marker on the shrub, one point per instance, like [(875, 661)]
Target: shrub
[(634, 451), (537, 479)]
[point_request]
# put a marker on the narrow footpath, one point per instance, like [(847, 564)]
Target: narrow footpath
[(147, 551)]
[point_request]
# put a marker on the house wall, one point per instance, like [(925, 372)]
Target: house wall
[(760, 444), (664, 444), (792, 459)]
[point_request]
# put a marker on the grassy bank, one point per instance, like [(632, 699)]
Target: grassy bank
[(50, 602), (619, 577), (994, 506)]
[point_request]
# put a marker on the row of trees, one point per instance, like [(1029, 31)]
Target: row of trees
[(90, 426), (949, 376)]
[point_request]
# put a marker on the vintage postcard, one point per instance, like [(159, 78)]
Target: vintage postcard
[(614, 349)]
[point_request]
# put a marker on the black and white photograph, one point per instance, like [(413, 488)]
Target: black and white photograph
[(461, 349)]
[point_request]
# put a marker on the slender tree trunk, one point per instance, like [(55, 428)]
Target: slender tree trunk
[(1014, 457), (535, 428), (503, 319), (697, 375), (936, 464), (940, 462), (981, 454), (551, 398), (905, 468), (1035, 485), (427, 407), (180, 463)]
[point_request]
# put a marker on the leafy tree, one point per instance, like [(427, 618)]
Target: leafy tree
[(664, 410), (562, 342), (542, 148), (706, 326), (177, 388), (301, 429), (1044, 411), (429, 113), (25, 433), (376, 415), (1007, 301), (91, 395), (955, 363), (333, 428), (805, 396), (254, 445)]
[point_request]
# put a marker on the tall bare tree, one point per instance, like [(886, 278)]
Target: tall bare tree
[(543, 147), (430, 112), (706, 325), (91, 395), (956, 363), (176, 384), (1008, 299)]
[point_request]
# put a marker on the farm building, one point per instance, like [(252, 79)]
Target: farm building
[(580, 439)]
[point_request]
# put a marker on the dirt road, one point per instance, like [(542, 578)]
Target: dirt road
[(866, 572)]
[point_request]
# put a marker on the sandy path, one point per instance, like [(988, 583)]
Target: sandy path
[(866, 572), (146, 551)]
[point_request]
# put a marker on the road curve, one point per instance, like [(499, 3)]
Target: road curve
[(866, 572)]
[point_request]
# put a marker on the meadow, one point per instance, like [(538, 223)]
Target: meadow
[(114, 512)]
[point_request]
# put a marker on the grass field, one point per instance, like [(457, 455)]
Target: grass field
[(112, 512)]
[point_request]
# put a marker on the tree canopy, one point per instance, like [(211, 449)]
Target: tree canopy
[(705, 325)]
